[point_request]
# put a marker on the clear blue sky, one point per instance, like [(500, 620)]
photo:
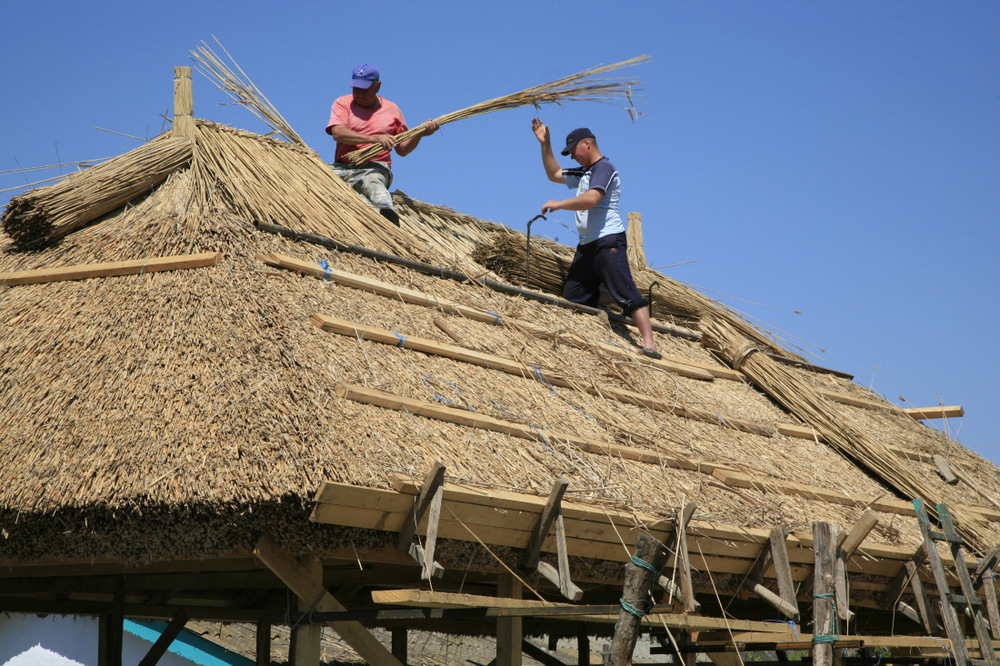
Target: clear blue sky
[(838, 158)]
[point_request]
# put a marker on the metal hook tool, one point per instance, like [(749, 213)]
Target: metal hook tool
[(527, 258)]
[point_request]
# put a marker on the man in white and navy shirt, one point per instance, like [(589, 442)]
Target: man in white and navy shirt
[(601, 256)]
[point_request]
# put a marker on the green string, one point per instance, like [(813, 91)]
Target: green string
[(639, 562), (820, 639), (634, 610)]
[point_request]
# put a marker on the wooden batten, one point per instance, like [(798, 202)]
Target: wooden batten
[(183, 103), (110, 269)]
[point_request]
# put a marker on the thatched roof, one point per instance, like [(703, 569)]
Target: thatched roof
[(133, 408)]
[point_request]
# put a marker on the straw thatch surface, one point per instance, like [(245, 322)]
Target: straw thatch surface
[(130, 403)]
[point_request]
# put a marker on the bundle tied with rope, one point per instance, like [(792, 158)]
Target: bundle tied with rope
[(577, 87), (800, 399)]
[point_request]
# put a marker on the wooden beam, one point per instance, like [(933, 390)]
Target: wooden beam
[(937, 412), (945, 470), (183, 126), (167, 636), (297, 578), (783, 569), (110, 269), (427, 503), (683, 559)]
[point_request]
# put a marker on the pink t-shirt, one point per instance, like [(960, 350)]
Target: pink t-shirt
[(386, 118)]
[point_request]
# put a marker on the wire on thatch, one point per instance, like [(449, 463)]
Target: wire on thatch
[(802, 400), (567, 89), (243, 90), (43, 215)]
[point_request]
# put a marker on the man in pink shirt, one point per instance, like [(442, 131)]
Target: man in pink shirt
[(364, 118)]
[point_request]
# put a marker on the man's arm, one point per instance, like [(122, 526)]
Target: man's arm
[(404, 148), (584, 201), (343, 134), (552, 169)]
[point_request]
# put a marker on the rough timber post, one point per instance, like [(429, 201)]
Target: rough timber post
[(633, 234), (824, 617), (304, 646), (183, 103), (508, 628), (635, 593)]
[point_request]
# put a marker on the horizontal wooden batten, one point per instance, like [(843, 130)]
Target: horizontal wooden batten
[(510, 366), (462, 417), (414, 297), (110, 269), (940, 412)]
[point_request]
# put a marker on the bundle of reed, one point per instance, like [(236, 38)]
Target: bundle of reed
[(40, 216), (568, 89), (506, 255), (242, 90), (264, 179), (800, 399)]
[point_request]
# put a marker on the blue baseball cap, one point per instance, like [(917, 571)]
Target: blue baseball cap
[(364, 76), (575, 137)]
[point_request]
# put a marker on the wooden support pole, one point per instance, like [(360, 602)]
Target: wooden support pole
[(111, 627), (552, 515), (683, 559), (990, 590), (399, 643), (636, 252), (296, 576), (925, 613), (635, 593), (159, 648), (553, 508), (263, 644), (782, 567), (582, 648), (304, 644), (183, 104), (509, 634), (824, 619)]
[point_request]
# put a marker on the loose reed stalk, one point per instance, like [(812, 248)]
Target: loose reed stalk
[(228, 79), (567, 89)]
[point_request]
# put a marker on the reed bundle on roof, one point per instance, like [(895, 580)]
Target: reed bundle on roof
[(827, 418), (575, 88), (506, 254), (43, 215), (273, 181)]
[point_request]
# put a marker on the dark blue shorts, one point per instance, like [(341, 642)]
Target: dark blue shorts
[(604, 261)]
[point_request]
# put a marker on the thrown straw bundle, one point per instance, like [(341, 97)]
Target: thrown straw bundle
[(569, 89), (242, 90), (43, 215), (803, 401)]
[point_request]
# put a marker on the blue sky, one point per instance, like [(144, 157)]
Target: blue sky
[(836, 158)]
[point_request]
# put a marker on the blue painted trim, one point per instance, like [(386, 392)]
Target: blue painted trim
[(187, 644)]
